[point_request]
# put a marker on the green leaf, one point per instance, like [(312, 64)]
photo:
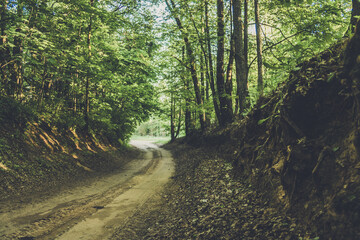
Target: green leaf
[(335, 149), (331, 77), (271, 66), (263, 120)]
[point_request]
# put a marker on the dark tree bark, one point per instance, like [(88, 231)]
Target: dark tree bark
[(202, 77), (188, 127), (179, 121), (192, 64), (246, 41), (242, 89), (225, 112), (260, 85), (229, 74), (172, 117), (3, 16), (3, 50), (351, 55), (204, 57), (355, 13), (229, 69)]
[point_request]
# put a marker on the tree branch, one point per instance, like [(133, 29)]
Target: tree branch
[(180, 61), (275, 44)]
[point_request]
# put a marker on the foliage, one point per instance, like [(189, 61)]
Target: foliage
[(78, 63), (155, 127), (15, 114), (102, 64), (292, 32)]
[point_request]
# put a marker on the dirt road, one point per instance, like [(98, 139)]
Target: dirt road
[(92, 211)]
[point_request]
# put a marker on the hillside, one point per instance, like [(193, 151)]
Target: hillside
[(299, 146), (37, 159)]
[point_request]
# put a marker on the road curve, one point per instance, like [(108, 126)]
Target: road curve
[(97, 210)]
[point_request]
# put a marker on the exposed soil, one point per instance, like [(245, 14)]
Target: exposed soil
[(300, 146), (92, 209), (42, 161)]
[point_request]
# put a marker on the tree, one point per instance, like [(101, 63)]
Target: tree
[(241, 64), (225, 109), (87, 79), (4, 52), (355, 14), (90, 64), (259, 47), (211, 68), (191, 60), (65, 58)]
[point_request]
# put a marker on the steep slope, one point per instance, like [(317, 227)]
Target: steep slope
[(35, 157), (300, 146)]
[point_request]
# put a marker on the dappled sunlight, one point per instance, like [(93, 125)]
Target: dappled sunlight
[(76, 139), (4, 167), (43, 138), (258, 100), (88, 147), (84, 167)]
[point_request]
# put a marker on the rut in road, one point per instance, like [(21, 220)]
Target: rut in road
[(95, 211)]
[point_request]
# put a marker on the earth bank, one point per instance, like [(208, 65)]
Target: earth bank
[(37, 160), (300, 146)]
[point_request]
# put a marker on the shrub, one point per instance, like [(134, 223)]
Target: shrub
[(14, 113)]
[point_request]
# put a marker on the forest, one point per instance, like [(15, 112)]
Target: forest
[(271, 85), (106, 66)]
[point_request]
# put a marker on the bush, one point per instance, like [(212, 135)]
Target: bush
[(63, 121), (14, 113)]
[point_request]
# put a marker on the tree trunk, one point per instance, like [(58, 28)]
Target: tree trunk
[(3, 15), (242, 90), (355, 12), (211, 68), (207, 79), (172, 117), (188, 127), (260, 86), (179, 121), (191, 59), (203, 88), (246, 43), (225, 113), (202, 77), (87, 82), (76, 99), (202, 58), (3, 51), (16, 75), (229, 70)]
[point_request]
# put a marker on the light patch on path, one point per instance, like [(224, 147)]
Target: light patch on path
[(103, 223), (95, 211)]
